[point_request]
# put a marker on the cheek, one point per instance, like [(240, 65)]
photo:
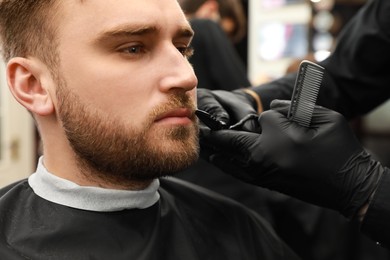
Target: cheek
[(120, 94), (125, 101), (105, 78)]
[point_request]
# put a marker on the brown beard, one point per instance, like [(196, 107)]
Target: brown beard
[(111, 151)]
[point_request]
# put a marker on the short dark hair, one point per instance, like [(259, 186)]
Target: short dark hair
[(27, 28)]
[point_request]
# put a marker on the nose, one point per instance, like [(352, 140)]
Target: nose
[(178, 73)]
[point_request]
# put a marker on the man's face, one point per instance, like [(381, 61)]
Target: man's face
[(126, 93)]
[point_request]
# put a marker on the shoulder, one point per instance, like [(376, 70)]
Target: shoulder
[(13, 198), (18, 191), (200, 201), (212, 214), (184, 190), (14, 188)]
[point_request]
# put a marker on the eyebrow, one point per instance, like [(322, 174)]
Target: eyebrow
[(129, 31)]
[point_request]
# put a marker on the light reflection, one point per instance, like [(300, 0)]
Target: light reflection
[(321, 55), (281, 40)]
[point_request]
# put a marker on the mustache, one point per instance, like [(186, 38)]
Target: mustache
[(175, 101)]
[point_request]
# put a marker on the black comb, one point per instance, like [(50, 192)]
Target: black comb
[(304, 97)]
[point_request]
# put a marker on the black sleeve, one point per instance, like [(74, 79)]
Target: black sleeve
[(277, 89), (215, 61), (376, 222), (361, 61), (357, 76)]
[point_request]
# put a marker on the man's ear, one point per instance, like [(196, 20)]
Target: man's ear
[(24, 80)]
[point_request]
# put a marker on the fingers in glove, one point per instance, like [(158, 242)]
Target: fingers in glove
[(236, 104), (248, 123), (238, 143), (210, 121), (281, 106), (207, 102)]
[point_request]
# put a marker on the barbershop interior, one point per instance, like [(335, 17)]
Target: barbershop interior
[(275, 37)]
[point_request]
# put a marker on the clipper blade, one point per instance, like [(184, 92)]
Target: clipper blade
[(304, 97)]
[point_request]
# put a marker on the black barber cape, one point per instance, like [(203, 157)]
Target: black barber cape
[(187, 222)]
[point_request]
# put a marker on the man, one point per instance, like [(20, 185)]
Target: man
[(113, 96), (324, 165)]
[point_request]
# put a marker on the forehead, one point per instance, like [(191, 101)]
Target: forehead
[(90, 17)]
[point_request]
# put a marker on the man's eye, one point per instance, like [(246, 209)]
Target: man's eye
[(186, 51), (133, 49)]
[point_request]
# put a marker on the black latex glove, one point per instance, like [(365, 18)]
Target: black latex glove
[(324, 164), (228, 106)]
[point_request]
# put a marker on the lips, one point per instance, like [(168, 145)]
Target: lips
[(176, 113)]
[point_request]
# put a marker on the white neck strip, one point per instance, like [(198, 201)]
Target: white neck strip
[(64, 192)]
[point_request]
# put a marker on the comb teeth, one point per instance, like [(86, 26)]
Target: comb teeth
[(304, 97)]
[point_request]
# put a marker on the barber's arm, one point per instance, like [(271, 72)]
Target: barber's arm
[(324, 164), (357, 77)]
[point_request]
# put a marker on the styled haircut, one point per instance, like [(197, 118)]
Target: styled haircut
[(27, 28)]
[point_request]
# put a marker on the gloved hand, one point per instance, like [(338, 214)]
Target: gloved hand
[(228, 106), (324, 164)]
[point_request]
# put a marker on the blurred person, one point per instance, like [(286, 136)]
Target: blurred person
[(233, 19), (215, 60), (113, 96), (228, 13)]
